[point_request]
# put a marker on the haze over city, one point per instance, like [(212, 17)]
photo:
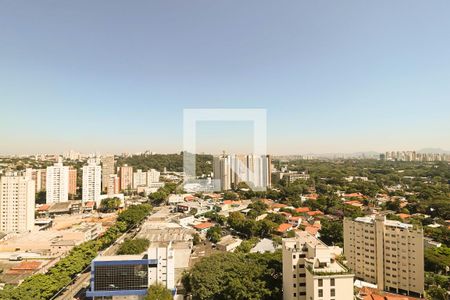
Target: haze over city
[(334, 77)]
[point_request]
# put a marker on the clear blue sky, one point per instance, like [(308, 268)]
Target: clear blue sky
[(334, 76)]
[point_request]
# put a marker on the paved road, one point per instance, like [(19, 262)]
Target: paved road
[(82, 281)]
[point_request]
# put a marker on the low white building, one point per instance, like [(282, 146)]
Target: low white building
[(311, 271)]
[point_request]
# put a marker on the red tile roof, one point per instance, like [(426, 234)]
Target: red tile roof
[(278, 205), (302, 209), (354, 195), (373, 294), (231, 202), (315, 213), (89, 204), (203, 225), (44, 207), (284, 227), (312, 229), (312, 196), (404, 216)]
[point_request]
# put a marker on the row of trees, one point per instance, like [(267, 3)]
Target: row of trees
[(44, 286)]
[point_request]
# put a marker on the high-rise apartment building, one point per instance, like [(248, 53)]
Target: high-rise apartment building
[(386, 253), (254, 170), (92, 180), (57, 183), (126, 177), (311, 271), (72, 181), (17, 198), (139, 178), (38, 176), (107, 170), (153, 176), (113, 185)]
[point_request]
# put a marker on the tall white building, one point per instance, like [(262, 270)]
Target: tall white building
[(92, 181), (57, 183), (311, 271), (17, 198), (254, 170), (164, 272), (153, 176), (139, 178)]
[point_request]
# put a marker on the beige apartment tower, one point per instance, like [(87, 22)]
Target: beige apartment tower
[(126, 177), (17, 198), (386, 253), (311, 271), (107, 170)]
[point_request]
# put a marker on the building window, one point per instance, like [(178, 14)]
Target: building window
[(320, 293), (295, 294), (332, 281), (332, 292), (320, 282)]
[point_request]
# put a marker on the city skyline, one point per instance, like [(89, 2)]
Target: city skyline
[(114, 78)]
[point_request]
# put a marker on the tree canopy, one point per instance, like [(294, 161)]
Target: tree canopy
[(236, 276)]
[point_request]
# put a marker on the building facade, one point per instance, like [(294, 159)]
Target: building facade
[(153, 176), (311, 270), (254, 170), (113, 185), (139, 178), (17, 199), (57, 183), (72, 181), (108, 169), (92, 177), (126, 177), (387, 253), (129, 276), (38, 176)]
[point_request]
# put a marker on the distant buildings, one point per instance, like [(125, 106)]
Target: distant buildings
[(92, 176), (145, 179), (139, 179), (254, 170), (387, 253), (414, 156), (107, 170), (290, 176), (57, 183), (39, 178), (129, 276), (126, 177), (153, 176), (311, 271), (17, 198)]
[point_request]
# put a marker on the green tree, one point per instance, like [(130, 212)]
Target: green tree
[(135, 246), (214, 234), (196, 239), (110, 204), (331, 232), (158, 292), (236, 276)]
